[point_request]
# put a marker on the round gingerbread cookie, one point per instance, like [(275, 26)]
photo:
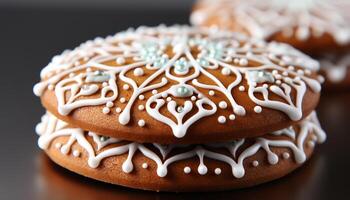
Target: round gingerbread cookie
[(309, 25), (196, 167), (180, 85)]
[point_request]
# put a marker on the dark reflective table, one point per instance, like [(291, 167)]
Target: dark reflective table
[(30, 37)]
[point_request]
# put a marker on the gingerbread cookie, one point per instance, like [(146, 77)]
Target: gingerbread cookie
[(315, 27), (180, 84), (175, 167), (310, 25), (180, 109)]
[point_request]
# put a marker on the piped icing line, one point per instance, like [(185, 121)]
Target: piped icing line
[(309, 18), (91, 74), (52, 128)]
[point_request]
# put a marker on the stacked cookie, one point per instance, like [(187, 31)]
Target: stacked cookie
[(180, 109), (318, 28)]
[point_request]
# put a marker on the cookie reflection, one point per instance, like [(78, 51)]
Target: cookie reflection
[(56, 183)]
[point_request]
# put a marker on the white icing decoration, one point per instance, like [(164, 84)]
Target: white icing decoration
[(222, 105), (118, 110), (255, 163), (285, 155), (51, 128), (141, 123), (221, 119), (120, 61), (138, 72), (76, 153), (217, 171), (144, 165), (241, 88), (263, 19), (110, 104), (106, 110), (232, 117), (257, 109), (187, 170), (177, 75), (141, 107)]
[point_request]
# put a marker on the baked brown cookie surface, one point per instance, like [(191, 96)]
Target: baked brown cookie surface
[(180, 85), (310, 25), (198, 167)]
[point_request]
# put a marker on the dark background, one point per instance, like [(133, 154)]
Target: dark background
[(31, 32)]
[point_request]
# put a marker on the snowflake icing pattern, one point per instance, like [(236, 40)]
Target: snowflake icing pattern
[(173, 60)]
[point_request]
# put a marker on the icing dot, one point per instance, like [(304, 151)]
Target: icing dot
[(241, 88), (232, 117), (320, 78), (221, 119), (164, 95), (193, 98), (187, 170), (300, 72), (138, 72), (217, 171), (104, 84), (122, 100), (168, 99), (182, 91), (211, 93), (126, 87), (76, 153), (141, 107), (278, 82), (285, 73), (200, 96), (311, 144), (120, 60), (145, 165), (257, 109), (202, 169), (141, 122), (225, 71), (179, 109), (154, 91), (141, 97), (106, 110), (58, 145), (118, 110), (255, 163), (223, 104), (243, 62), (104, 138), (285, 155), (109, 104), (51, 87)]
